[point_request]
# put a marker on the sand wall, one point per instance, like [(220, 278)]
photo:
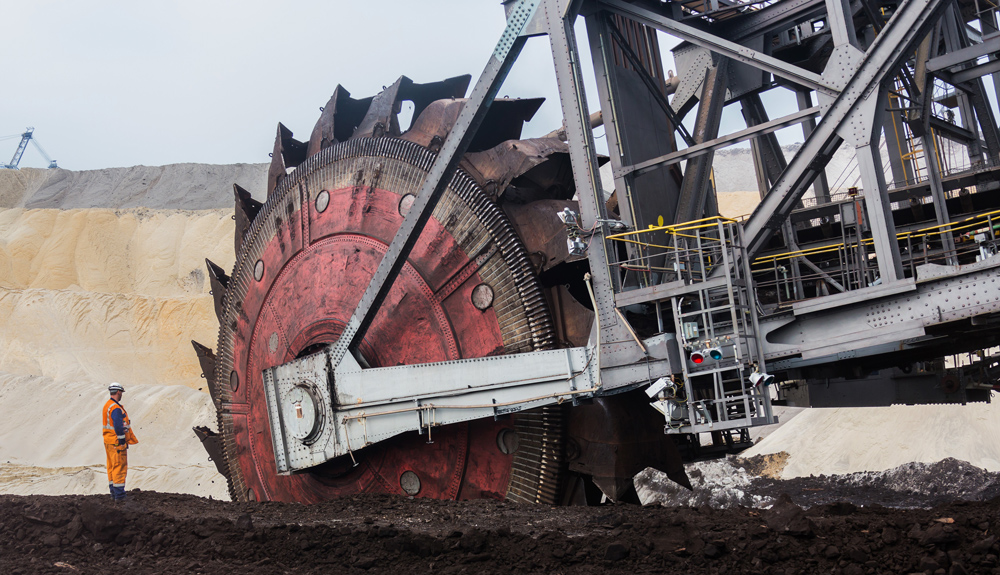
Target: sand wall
[(90, 296), (109, 295), (55, 447)]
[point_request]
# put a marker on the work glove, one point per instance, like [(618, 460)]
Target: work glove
[(122, 442)]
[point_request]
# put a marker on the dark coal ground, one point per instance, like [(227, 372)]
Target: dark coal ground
[(804, 532)]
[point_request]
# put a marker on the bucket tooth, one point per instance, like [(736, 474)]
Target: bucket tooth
[(503, 121), (288, 153), (381, 118), (220, 282), (423, 94), (338, 120), (212, 442), (247, 209), (207, 361), (432, 125)]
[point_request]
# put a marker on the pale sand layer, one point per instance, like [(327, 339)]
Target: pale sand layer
[(51, 439), (846, 440), (97, 295), (737, 205), (140, 251), (93, 296)]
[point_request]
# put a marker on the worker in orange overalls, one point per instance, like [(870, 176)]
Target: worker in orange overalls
[(117, 437)]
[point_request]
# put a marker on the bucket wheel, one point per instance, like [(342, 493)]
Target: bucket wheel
[(468, 289)]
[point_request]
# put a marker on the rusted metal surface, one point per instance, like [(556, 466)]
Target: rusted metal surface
[(520, 171), (572, 320), (212, 442), (337, 121), (220, 282), (503, 121), (247, 209), (206, 359), (542, 232), (300, 272), (613, 438), (287, 153)]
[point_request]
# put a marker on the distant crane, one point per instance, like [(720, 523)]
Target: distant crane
[(25, 138)]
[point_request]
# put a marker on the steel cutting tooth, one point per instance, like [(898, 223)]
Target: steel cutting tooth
[(381, 118), (338, 120), (288, 153), (220, 283), (504, 121), (247, 209), (423, 94), (207, 361)]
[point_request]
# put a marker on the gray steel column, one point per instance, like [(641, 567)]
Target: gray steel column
[(988, 24), (772, 157), (774, 163), (696, 186), (838, 19), (636, 129), (865, 132), (952, 30), (879, 209), (898, 145), (928, 141), (573, 99), (600, 48), (972, 93), (821, 187), (941, 214), (454, 146)]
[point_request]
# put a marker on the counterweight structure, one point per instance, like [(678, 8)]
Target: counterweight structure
[(445, 310)]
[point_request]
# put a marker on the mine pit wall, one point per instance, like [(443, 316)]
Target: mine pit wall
[(103, 278)]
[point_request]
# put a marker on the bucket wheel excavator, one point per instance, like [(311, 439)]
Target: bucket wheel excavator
[(491, 274), (446, 310)]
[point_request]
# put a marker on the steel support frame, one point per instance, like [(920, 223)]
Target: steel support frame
[(365, 406), (721, 46), (358, 406), (881, 319), (906, 27), (720, 142), (697, 186)]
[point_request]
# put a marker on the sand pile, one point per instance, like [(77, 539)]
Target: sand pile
[(112, 293), (186, 186), (848, 440)]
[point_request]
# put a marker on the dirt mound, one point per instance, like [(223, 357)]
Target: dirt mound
[(752, 482), (161, 533), (175, 186), (837, 441)]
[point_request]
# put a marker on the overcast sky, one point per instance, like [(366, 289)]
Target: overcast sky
[(110, 84), (115, 83)]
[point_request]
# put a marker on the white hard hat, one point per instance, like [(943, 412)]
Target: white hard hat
[(115, 387)]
